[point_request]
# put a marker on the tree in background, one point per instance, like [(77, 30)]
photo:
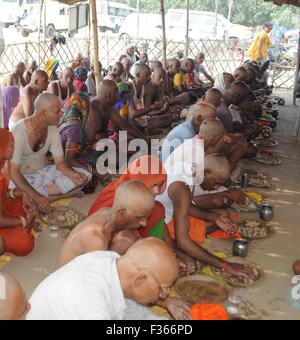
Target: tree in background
[(244, 12)]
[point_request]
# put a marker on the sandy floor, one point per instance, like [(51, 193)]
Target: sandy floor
[(269, 299)]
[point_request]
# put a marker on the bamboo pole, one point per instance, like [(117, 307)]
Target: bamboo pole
[(187, 42), (39, 31), (95, 42), (163, 19)]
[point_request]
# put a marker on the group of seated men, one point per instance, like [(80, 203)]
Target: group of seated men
[(104, 262)]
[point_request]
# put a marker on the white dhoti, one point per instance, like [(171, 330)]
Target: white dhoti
[(50, 175)]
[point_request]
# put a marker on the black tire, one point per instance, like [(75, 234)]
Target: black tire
[(50, 31), (24, 33)]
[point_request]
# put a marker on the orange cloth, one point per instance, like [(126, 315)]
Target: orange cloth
[(6, 139), (202, 311), (17, 240), (142, 170), (197, 229), (222, 235)]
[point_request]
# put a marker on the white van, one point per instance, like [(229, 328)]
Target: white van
[(111, 15), (203, 25), (9, 11), (60, 18), (149, 27)]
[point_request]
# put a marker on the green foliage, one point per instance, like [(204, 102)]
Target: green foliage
[(244, 12)]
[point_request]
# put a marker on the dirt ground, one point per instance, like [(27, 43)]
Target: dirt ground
[(271, 298)]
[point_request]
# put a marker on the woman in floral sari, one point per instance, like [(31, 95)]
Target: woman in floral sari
[(72, 124)]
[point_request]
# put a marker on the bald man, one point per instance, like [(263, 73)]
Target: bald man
[(16, 77), (13, 302), (198, 113), (25, 108), (34, 137), (240, 74), (184, 220), (104, 286), (133, 205), (63, 88), (116, 73), (32, 66), (144, 59), (101, 112), (214, 97)]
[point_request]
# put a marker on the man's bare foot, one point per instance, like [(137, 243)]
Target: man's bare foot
[(2, 246)]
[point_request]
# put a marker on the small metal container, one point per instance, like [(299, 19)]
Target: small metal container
[(245, 180), (266, 212), (240, 247)]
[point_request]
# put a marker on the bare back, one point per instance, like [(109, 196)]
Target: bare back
[(25, 107), (90, 235)]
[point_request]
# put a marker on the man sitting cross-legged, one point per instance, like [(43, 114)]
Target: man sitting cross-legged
[(34, 137)]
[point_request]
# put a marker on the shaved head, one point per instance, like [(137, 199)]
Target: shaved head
[(45, 101), (214, 96), (134, 196), (147, 269), (218, 166), (211, 127), (199, 112), (142, 69), (107, 86), (13, 303), (240, 74)]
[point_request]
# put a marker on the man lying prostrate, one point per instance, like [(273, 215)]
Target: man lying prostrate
[(133, 205), (34, 137), (13, 305), (185, 221), (104, 286), (189, 129)]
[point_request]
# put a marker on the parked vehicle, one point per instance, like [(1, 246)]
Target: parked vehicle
[(149, 27), (60, 18), (203, 25), (111, 15)]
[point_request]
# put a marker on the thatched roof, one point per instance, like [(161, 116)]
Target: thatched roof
[(286, 2)]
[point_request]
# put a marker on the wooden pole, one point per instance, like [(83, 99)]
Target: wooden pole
[(163, 19), (93, 9), (138, 21), (187, 42), (39, 32)]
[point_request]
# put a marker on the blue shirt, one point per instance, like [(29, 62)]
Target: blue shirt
[(176, 137)]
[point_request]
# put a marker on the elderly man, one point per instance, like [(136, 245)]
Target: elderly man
[(116, 73), (32, 66), (25, 108), (13, 302), (184, 219), (103, 286), (102, 111), (133, 205), (143, 60), (63, 88), (130, 53), (198, 113), (16, 77), (34, 137)]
